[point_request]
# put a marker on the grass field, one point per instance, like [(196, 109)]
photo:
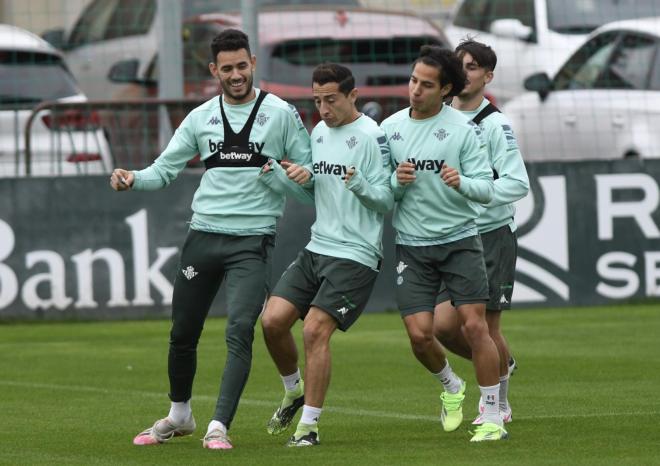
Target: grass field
[(586, 392)]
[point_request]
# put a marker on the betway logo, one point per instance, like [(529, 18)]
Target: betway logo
[(421, 165), (235, 156), (326, 168), (220, 146)]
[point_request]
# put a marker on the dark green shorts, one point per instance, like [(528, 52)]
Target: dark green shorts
[(340, 287), (423, 269), (500, 253)]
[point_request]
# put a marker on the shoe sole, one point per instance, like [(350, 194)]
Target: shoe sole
[(277, 426)]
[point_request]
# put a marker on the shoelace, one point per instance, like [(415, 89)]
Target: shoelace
[(217, 434), (451, 401)]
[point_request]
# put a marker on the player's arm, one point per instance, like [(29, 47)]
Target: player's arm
[(475, 181), (292, 176), (181, 148), (276, 177), (512, 183), (402, 174), (371, 182)]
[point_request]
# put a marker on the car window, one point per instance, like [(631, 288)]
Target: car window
[(583, 16), (472, 14), (131, 18), (630, 65), (655, 74), (479, 14), (197, 7), (586, 65), (522, 10), (93, 22), (374, 62), (28, 77)]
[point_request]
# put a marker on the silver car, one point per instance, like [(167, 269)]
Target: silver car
[(69, 142), (603, 103)]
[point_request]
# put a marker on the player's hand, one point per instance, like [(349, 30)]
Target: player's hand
[(295, 172), (268, 166), (121, 180), (450, 176), (349, 174), (405, 173)]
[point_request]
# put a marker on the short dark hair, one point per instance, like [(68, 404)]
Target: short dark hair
[(449, 66), (334, 73), (482, 53), (229, 40)]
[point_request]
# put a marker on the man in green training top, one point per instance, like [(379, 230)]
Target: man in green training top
[(330, 281), (442, 174), (495, 224), (232, 231)]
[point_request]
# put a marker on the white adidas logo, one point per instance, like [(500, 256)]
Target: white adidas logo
[(401, 267)]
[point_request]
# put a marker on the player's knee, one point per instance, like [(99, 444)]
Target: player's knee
[(316, 333), (443, 331), (421, 342), (475, 329)]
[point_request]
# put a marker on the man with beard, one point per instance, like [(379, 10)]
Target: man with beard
[(232, 231)]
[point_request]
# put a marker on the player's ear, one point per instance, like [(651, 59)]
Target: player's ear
[(353, 95), (213, 68)]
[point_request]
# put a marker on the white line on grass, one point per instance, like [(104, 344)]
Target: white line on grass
[(346, 411)]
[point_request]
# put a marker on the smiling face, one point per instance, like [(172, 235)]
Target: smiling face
[(235, 71)]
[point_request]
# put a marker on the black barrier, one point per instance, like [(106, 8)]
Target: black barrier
[(71, 248)]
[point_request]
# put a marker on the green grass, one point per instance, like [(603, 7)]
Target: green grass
[(586, 392)]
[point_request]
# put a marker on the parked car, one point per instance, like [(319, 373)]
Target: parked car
[(69, 142), (531, 36), (108, 31), (604, 103)]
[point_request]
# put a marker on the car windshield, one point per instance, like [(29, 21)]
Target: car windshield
[(197, 7), (29, 77), (583, 16)]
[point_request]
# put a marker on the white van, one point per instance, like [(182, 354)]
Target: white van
[(531, 36)]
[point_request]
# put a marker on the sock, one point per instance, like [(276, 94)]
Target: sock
[(310, 415), (504, 391), (448, 378), (292, 382), (491, 397), (216, 425), (180, 412)]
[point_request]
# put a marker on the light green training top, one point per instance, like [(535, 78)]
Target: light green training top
[(429, 212), (349, 217), (232, 200), (512, 182)]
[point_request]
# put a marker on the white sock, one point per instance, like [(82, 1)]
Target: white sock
[(216, 425), (504, 391), (291, 382), (180, 412), (448, 378), (491, 398), (310, 415)]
